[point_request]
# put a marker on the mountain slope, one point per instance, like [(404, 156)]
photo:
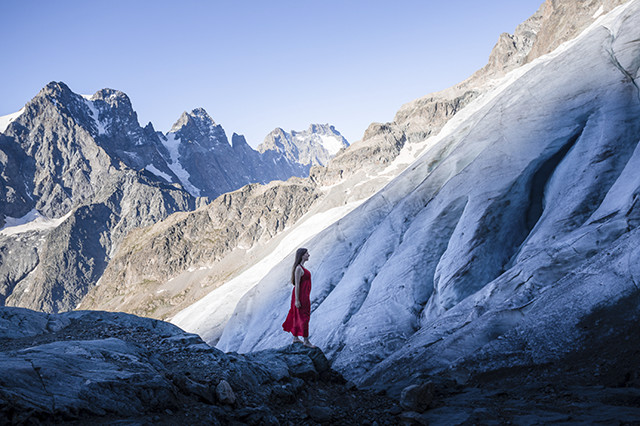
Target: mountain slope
[(65, 158), (515, 196), (77, 173), (358, 171), (161, 269)]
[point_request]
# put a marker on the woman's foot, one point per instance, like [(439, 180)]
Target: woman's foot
[(308, 344), (296, 340)]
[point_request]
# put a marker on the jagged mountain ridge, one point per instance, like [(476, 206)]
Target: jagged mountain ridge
[(54, 165), (77, 173), (358, 171), (508, 208), (200, 154), (312, 147), (196, 148)]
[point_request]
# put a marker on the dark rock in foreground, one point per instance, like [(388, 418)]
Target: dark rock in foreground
[(98, 367), (103, 367)]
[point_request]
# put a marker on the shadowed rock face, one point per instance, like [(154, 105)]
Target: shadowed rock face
[(84, 366), (517, 222)]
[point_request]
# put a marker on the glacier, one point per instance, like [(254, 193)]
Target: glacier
[(518, 220)]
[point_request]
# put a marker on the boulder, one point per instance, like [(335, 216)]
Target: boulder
[(417, 397), (225, 393), (320, 414), (97, 377)]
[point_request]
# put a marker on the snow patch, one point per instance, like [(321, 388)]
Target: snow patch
[(331, 143), (172, 144), (32, 221), (95, 115), (158, 173), (407, 156), (598, 12), (5, 120)]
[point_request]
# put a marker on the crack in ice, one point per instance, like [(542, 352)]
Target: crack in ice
[(616, 62)]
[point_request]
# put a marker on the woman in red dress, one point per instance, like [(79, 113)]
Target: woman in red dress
[(297, 322)]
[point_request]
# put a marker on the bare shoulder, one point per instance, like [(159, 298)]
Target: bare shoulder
[(299, 269)]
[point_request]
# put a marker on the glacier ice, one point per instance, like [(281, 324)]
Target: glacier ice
[(519, 217)]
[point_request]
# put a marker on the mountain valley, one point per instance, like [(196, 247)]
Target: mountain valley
[(472, 260)]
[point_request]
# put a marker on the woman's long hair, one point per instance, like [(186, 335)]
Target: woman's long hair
[(299, 253)]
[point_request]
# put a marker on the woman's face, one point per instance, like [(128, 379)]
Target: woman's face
[(305, 256)]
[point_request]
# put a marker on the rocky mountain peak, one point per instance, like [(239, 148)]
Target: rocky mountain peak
[(113, 114), (330, 138), (55, 89), (553, 23), (198, 126), (238, 141), (561, 21), (113, 98), (198, 118), (277, 140), (314, 146), (59, 96), (322, 128)]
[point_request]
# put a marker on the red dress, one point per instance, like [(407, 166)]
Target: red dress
[(297, 322)]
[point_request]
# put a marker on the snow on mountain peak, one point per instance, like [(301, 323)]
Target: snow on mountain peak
[(5, 120), (95, 114), (314, 146), (330, 138)]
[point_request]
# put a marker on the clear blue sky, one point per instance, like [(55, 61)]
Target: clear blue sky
[(253, 65)]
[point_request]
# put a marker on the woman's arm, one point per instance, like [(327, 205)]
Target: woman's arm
[(299, 273)]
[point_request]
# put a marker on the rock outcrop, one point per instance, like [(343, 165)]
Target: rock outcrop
[(105, 367)]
